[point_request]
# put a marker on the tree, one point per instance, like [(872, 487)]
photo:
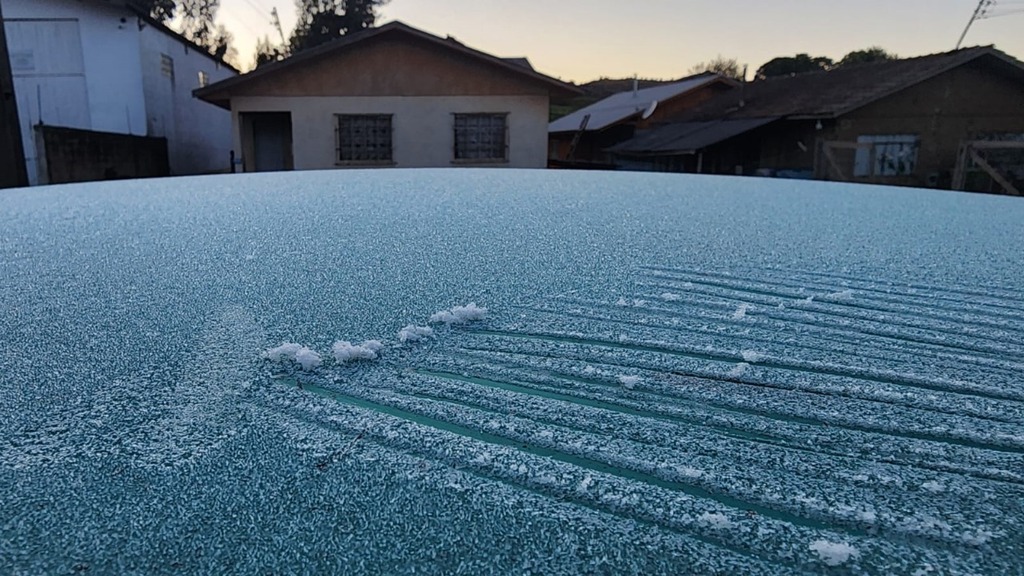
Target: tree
[(198, 24), (321, 21), (267, 52), (872, 54), (727, 67), (161, 10), (789, 65), (196, 21)]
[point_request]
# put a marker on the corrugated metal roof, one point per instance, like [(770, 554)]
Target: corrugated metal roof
[(624, 105), (687, 137)]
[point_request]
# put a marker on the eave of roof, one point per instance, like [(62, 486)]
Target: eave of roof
[(687, 137), (209, 93)]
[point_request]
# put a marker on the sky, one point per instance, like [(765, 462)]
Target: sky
[(581, 40)]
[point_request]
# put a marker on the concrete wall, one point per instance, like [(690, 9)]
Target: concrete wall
[(422, 127), (71, 155), (198, 133), (77, 66)]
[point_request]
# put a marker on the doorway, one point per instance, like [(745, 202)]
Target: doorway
[(268, 146)]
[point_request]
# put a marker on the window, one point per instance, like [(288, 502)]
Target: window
[(894, 155), (364, 138), (167, 66), (204, 79), (481, 137)]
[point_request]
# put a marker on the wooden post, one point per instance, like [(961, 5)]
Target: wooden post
[(1007, 186), (827, 151), (960, 172), (12, 151)]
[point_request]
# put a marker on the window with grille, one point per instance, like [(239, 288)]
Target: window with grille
[(891, 155), (364, 138), (481, 137)]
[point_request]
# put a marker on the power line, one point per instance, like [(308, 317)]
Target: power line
[(258, 9), (242, 22)]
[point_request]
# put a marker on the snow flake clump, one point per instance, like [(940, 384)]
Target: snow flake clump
[(306, 358), (629, 381), (933, 486), (346, 351), (833, 553), (716, 520), (688, 472), (979, 538), (738, 370), (413, 333), (842, 295), (460, 314), (751, 356), (670, 297), (741, 312)]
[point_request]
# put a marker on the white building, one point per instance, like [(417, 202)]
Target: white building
[(101, 67), (390, 96)]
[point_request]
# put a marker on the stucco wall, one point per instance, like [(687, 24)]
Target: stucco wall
[(422, 127), (198, 133)]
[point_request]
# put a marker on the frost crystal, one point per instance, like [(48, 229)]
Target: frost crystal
[(833, 553), (738, 370), (460, 314), (285, 351), (751, 356), (629, 381), (308, 359), (741, 312), (716, 520)]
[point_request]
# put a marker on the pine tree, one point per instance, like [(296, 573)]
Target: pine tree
[(321, 21)]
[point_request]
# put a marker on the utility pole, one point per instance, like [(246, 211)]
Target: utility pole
[(12, 152), (276, 21), (979, 12)]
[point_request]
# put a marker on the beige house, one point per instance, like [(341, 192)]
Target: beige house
[(390, 96)]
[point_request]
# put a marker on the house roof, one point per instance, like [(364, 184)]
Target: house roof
[(804, 96), (626, 105), (216, 93), (829, 94), (687, 137), (519, 61)]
